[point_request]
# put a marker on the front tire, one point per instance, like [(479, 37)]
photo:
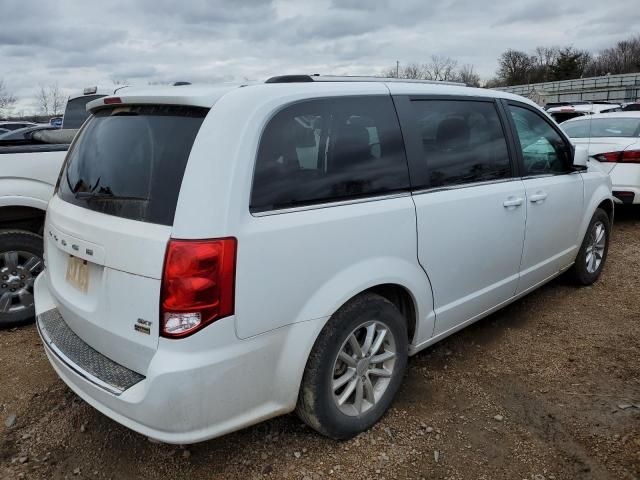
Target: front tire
[(355, 368), (592, 255), (21, 254)]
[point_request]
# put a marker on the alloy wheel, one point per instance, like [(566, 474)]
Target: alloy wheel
[(596, 246), (364, 367), (18, 272)]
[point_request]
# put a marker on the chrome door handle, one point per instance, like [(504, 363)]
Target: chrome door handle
[(537, 197), (513, 202)]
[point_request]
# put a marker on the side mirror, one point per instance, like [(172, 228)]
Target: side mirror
[(580, 157)]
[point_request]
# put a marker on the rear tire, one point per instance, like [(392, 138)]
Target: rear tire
[(368, 375), (21, 261), (592, 255)]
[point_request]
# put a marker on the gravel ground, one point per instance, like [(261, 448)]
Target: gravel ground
[(548, 388)]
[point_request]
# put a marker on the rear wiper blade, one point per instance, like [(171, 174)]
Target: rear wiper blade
[(106, 195)]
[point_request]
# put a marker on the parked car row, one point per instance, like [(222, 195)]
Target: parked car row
[(216, 256), (562, 112), (614, 140)]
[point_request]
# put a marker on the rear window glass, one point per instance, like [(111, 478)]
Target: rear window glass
[(560, 117), (75, 112), (129, 161), (328, 150), (603, 127)]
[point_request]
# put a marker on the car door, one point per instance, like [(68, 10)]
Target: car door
[(469, 203), (554, 193)]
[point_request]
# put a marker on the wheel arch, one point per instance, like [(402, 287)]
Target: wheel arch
[(26, 215), (601, 198), (404, 301), (401, 282), (608, 206)]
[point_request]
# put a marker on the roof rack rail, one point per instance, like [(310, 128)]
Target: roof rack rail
[(346, 78)]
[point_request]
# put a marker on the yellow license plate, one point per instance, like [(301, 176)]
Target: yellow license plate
[(78, 273)]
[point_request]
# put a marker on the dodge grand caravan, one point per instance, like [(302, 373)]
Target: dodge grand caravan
[(216, 256)]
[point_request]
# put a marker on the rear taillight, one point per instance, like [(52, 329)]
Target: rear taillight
[(197, 285), (112, 100), (625, 156)]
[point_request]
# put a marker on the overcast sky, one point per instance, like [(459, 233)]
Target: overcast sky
[(80, 43)]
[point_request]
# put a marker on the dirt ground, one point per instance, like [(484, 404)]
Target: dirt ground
[(548, 388)]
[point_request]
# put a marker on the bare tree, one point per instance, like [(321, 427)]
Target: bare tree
[(414, 71), (494, 83), (624, 57), (544, 58), (7, 100), (50, 100), (43, 101), (441, 68), (468, 76), (515, 67), (391, 73), (57, 99)]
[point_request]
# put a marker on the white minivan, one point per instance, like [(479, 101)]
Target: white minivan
[(216, 256)]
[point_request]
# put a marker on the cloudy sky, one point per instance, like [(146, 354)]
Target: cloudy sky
[(77, 43)]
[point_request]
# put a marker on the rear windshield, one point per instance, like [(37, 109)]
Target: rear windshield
[(128, 161), (75, 112), (603, 127), (564, 116)]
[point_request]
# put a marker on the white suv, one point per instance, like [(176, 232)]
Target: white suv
[(219, 256)]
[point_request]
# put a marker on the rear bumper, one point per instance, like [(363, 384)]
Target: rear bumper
[(195, 388)]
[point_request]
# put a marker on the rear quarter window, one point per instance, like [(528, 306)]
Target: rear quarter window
[(129, 161), (329, 150)]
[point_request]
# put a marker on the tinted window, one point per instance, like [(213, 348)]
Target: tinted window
[(462, 141), (129, 161), (544, 151), (75, 112), (329, 149), (564, 116), (16, 126)]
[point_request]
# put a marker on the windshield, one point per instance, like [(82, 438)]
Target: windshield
[(76, 113), (129, 161), (603, 127)]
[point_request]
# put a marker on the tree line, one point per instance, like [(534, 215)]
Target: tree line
[(515, 67), (50, 101), (544, 64), (438, 68)]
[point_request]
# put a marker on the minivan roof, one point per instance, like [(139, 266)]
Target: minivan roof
[(207, 95)]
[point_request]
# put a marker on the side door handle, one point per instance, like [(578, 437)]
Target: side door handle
[(513, 202), (538, 197)]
